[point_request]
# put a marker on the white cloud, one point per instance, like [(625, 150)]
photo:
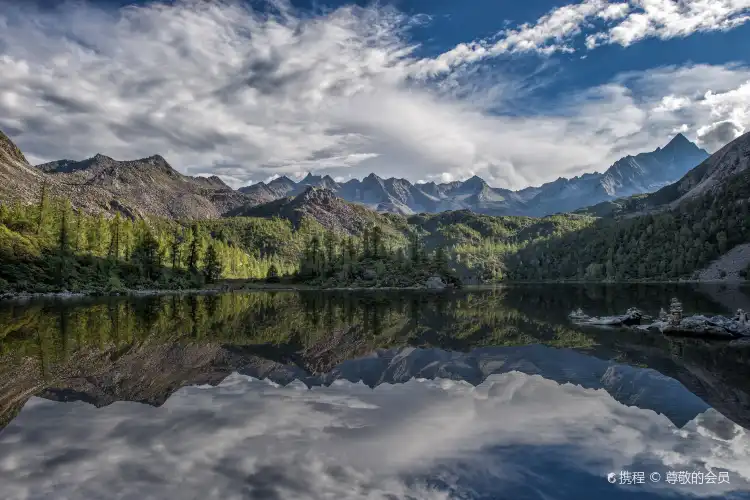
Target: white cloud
[(717, 134), (614, 11), (422, 439), (624, 23), (666, 19), (711, 103), (547, 35), (672, 103), (215, 87), (681, 129)]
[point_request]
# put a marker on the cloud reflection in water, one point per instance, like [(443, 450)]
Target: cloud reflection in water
[(514, 436)]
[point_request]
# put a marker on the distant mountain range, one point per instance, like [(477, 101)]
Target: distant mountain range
[(643, 173), (150, 186), (709, 175)]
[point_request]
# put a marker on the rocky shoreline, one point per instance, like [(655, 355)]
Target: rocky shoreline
[(673, 322), (433, 283), (23, 296)]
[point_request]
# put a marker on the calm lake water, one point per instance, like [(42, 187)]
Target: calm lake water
[(371, 395)]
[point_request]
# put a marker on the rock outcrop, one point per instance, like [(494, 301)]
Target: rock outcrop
[(148, 186), (674, 323), (435, 283), (317, 203)]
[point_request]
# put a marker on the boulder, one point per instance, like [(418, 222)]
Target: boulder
[(435, 283), (673, 323), (369, 275)]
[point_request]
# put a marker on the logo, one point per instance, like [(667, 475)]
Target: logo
[(612, 477)]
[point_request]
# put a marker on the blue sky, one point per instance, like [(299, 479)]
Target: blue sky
[(519, 93)]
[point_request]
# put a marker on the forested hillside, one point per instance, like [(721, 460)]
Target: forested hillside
[(49, 247), (319, 239), (664, 245)]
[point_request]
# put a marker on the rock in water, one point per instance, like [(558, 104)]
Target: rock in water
[(578, 314), (632, 316), (663, 316), (741, 317), (675, 312)]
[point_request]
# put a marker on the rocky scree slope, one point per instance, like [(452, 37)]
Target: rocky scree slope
[(148, 186), (319, 204)]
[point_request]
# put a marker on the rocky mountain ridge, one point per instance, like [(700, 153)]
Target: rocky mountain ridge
[(320, 204), (151, 186), (147, 186), (711, 174), (642, 173)]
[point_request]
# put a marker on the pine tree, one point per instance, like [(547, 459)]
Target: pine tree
[(146, 253), (441, 259), (212, 266), (366, 243), (43, 209), (376, 242), (79, 232), (330, 250), (114, 244), (195, 251), (273, 274), (63, 246), (175, 248), (415, 248), (4, 213)]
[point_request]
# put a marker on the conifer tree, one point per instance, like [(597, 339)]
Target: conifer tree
[(175, 248), (114, 243), (80, 234), (376, 242), (415, 248), (330, 250), (212, 266), (366, 243), (4, 213), (273, 274), (43, 209), (195, 251), (441, 259), (63, 246)]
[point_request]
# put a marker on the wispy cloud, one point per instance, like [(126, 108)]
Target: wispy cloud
[(666, 19), (602, 23), (217, 87)]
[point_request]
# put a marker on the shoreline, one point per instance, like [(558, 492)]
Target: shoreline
[(252, 286)]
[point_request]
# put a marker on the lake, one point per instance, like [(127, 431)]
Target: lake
[(473, 394)]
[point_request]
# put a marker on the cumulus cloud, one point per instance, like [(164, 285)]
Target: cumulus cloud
[(709, 103), (717, 134), (220, 88), (672, 103), (418, 440)]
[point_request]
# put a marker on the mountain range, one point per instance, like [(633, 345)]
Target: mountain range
[(642, 173), (711, 174), (151, 186)]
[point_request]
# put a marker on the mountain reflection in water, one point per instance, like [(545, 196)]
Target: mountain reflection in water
[(501, 415)]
